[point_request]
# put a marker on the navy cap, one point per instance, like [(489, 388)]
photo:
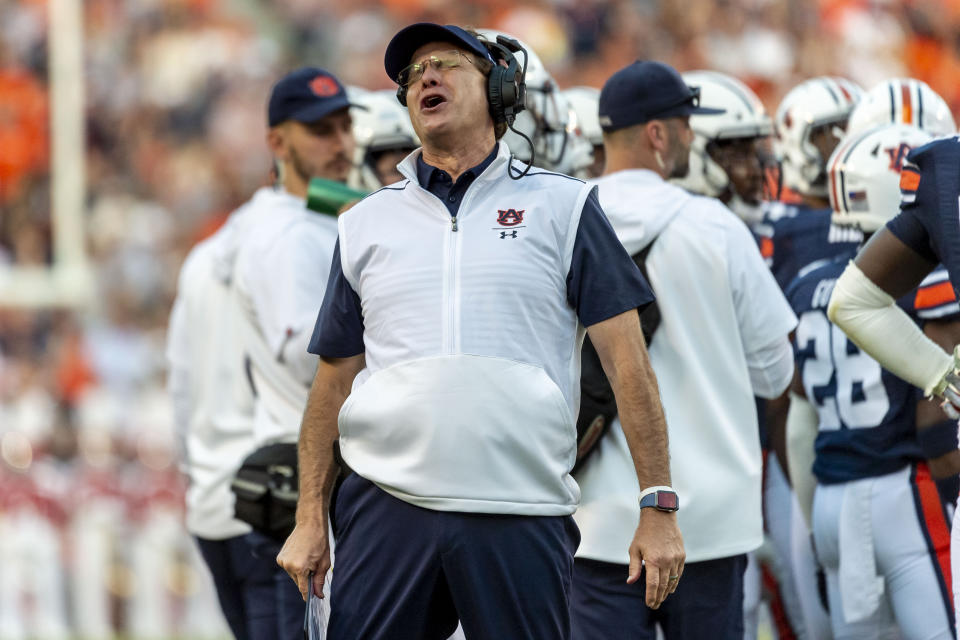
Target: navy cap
[(305, 95), (644, 91), (409, 39)]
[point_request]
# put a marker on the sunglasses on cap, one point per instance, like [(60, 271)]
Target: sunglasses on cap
[(441, 61)]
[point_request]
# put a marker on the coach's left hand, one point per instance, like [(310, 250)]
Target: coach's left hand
[(658, 545)]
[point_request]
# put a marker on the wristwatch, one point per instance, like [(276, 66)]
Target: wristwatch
[(659, 498)]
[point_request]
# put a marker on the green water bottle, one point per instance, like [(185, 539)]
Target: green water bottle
[(329, 196)]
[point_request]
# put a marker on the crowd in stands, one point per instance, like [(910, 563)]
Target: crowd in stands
[(175, 126)]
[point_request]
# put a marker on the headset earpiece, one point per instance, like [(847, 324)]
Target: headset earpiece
[(506, 89), (402, 95)]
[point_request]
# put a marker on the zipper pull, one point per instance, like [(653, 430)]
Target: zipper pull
[(453, 220)]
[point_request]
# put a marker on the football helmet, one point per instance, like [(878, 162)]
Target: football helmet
[(824, 101), (903, 101), (864, 174), (546, 120), (381, 125), (586, 159), (744, 117)]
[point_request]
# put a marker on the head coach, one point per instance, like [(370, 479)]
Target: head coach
[(449, 339)]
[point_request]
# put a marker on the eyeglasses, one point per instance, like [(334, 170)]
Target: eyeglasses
[(440, 61)]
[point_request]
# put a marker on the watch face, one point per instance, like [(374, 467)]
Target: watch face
[(667, 500)]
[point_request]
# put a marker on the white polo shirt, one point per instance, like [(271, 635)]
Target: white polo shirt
[(722, 339), (212, 400), (280, 277)]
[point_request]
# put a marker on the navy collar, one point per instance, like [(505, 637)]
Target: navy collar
[(428, 175)]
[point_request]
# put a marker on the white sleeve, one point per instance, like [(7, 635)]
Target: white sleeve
[(802, 424), (870, 317), (178, 377), (763, 314), (771, 368), (288, 292)]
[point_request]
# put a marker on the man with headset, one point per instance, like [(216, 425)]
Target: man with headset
[(449, 339)]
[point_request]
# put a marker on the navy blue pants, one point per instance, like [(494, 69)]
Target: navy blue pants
[(407, 573), (258, 598), (707, 605)]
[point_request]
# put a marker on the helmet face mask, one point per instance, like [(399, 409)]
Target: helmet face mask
[(810, 111), (743, 160), (864, 175), (382, 130), (727, 157), (586, 157)]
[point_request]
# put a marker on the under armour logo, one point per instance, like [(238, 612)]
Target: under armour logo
[(508, 234)]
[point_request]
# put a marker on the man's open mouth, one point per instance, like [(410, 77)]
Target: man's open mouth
[(432, 101)]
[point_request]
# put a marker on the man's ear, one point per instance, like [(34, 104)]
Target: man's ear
[(276, 139), (657, 134)]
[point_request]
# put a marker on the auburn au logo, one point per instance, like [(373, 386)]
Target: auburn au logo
[(898, 155), (510, 217), (324, 86)]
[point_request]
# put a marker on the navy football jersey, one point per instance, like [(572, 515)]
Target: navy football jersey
[(793, 236), (928, 221), (867, 415)]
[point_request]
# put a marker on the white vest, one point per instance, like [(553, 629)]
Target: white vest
[(471, 386)]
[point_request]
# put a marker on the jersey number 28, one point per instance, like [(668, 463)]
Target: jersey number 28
[(842, 382)]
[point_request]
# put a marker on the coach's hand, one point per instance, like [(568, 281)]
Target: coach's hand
[(658, 544), (307, 551)]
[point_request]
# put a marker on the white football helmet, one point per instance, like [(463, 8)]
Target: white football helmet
[(546, 120), (383, 124), (584, 104), (903, 101), (818, 102), (864, 174), (744, 117)]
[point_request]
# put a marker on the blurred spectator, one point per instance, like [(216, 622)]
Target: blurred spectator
[(175, 140)]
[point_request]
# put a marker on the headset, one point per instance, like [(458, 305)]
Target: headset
[(506, 87)]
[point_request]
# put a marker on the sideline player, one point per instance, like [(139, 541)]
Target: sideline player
[(879, 528), (457, 429), (808, 125), (383, 136), (723, 338), (903, 101), (728, 159), (213, 400), (896, 260), (727, 156), (584, 101)]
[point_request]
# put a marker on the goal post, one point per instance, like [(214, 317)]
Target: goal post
[(68, 281)]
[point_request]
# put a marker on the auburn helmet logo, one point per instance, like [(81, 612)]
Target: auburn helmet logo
[(324, 86), (897, 155), (510, 217)]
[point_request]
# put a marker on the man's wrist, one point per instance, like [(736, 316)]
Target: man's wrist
[(660, 497)]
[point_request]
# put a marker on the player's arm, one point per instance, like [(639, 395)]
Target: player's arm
[(936, 432), (801, 428), (657, 541), (863, 304), (307, 549)]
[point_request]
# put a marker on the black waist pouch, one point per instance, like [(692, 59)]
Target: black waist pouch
[(266, 490)]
